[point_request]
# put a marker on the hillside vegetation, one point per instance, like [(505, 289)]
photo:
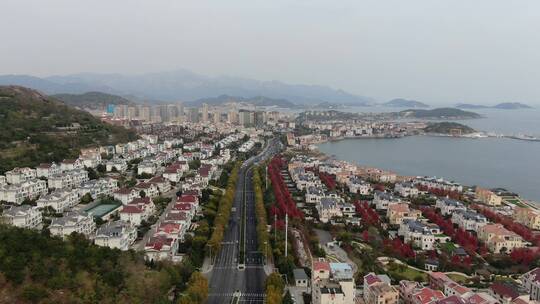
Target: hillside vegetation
[(91, 100), (446, 127), (35, 128), (35, 268)]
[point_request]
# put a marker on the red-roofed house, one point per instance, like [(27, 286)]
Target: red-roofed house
[(160, 248), (172, 230), (504, 293), (451, 300), (149, 189), (321, 270), (438, 280), (426, 296), (125, 195), (138, 210), (162, 183), (178, 218), (188, 208)]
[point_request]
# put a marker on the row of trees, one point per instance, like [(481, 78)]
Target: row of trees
[(260, 211), (440, 192), (224, 211), (328, 180), (464, 238), (284, 201), (197, 290), (369, 216), (274, 289)]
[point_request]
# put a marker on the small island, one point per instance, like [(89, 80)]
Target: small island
[(448, 128), (439, 113), (405, 103), (500, 106)]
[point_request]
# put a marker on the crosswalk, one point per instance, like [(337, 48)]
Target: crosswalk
[(230, 294)]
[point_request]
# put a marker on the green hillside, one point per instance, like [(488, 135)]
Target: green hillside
[(35, 128), (91, 100)]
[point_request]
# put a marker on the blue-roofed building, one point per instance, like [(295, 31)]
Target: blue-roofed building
[(341, 271), (448, 205)]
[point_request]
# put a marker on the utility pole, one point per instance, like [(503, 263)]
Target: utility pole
[(275, 227), (286, 231)]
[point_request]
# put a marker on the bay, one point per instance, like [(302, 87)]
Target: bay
[(487, 162)]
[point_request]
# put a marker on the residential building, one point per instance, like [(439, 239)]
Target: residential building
[(117, 164), (125, 195), (503, 292), (328, 208), (20, 175), (161, 183), (159, 248), (449, 206), (74, 221), (531, 282), (399, 212), (17, 193), (359, 186), (300, 278), (499, 239), (423, 236), (68, 179), (138, 210), (117, 235), (527, 216), (59, 200), (406, 189), (149, 189), (98, 187), (488, 197), (146, 167), (46, 170), (468, 220), (376, 291), (314, 195), (23, 216), (382, 200), (426, 296), (71, 164)]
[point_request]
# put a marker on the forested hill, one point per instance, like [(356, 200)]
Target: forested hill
[(35, 268), (35, 128), (91, 100)]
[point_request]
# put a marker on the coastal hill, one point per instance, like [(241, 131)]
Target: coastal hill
[(92, 100), (405, 103), (501, 106), (36, 128), (438, 113), (511, 106), (447, 127), (261, 101)]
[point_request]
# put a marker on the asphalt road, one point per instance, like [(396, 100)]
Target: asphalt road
[(225, 278)]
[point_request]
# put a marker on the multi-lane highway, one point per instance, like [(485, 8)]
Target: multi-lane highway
[(226, 279)]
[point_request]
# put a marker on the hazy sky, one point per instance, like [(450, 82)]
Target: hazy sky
[(437, 51)]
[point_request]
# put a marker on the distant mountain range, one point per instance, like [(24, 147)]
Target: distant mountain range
[(502, 106), (405, 103), (183, 85)]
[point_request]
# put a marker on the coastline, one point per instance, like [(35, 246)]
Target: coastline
[(533, 203)]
